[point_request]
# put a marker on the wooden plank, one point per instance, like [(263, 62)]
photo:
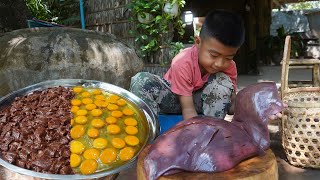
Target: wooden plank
[(304, 61), (300, 67)]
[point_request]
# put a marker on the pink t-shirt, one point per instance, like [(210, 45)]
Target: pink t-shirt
[(184, 74)]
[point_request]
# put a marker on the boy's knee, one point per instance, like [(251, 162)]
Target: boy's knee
[(219, 83), (140, 80), (216, 96), (142, 76), (135, 81), (138, 75)]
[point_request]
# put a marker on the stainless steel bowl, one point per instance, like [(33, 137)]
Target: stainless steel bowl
[(153, 126)]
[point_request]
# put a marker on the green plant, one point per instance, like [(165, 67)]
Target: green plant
[(64, 12), (275, 44), (154, 22), (39, 9), (175, 48)]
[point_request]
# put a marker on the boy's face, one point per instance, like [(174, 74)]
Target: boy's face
[(214, 56)]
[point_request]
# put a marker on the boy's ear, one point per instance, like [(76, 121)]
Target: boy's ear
[(197, 41)]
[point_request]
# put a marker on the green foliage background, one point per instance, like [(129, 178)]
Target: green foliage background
[(152, 35), (64, 12)]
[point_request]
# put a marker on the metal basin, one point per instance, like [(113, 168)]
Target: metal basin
[(152, 123)]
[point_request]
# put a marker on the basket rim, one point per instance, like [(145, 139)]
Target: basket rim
[(304, 104), (303, 89)]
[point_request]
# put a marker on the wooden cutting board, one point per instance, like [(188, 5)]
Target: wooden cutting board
[(256, 168)]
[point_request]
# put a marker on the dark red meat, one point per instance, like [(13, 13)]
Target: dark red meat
[(34, 131), (207, 144)]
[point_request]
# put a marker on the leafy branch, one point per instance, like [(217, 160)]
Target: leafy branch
[(154, 21), (64, 12)]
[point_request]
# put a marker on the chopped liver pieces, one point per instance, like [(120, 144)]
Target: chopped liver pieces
[(35, 131)]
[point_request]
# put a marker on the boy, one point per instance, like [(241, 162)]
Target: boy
[(202, 78)]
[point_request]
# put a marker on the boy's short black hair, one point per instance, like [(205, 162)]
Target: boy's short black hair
[(225, 26)]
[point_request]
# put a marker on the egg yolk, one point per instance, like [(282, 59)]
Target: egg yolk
[(82, 112), (96, 112), (92, 110), (100, 97), (98, 102), (118, 143), (77, 131), (116, 114), (76, 147), (96, 91), (113, 98), (93, 132), (91, 154), (97, 123), (75, 160), (113, 129), (131, 140), (121, 102), (77, 89), (85, 94), (108, 156), (105, 104), (111, 120), (88, 166), (75, 102), (87, 101), (100, 143), (74, 109), (131, 130), (126, 153), (112, 107), (130, 122), (127, 112), (81, 119), (90, 106)]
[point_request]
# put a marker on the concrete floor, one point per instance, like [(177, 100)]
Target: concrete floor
[(285, 170)]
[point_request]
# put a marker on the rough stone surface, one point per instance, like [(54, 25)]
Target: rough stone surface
[(29, 56)]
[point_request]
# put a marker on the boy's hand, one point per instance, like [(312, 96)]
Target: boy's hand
[(275, 116), (278, 115), (187, 107), (233, 100)]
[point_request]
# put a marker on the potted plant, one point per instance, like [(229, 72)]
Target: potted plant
[(275, 45)]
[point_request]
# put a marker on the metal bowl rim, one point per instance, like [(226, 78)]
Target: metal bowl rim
[(150, 117)]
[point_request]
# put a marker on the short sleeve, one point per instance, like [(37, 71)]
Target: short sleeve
[(181, 80)]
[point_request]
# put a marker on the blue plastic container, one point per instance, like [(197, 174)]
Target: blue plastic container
[(39, 23), (167, 121)]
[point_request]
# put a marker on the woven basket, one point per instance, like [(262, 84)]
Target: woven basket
[(300, 127)]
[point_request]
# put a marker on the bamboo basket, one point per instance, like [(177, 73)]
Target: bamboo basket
[(300, 126)]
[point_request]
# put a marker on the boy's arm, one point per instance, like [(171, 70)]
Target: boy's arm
[(233, 102), (187, 107)]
